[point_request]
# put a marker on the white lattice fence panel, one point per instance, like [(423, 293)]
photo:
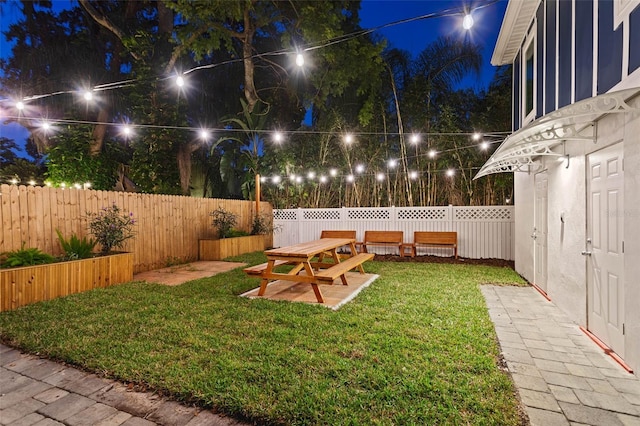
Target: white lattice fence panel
[(483, 232), (484, 214)]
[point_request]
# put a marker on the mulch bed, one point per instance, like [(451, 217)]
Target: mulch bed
[(440, 259)]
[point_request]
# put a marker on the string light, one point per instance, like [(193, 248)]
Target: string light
[(277, 137), (348, 138), (451, 173), (88, 96), (432, 153), (415, 138), (360, 168), (380, 177), (392, 164), (467, 22), (204, 134), (333, 172)]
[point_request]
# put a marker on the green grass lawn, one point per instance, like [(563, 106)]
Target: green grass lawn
[(417, 347)]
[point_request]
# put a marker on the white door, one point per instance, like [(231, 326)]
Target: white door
[(540, 232), (605, 246)]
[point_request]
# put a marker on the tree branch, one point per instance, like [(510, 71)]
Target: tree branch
[(105, 23)]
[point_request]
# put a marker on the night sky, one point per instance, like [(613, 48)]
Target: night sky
[(412, 36)]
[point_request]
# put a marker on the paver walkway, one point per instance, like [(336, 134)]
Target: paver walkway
[(562, 376), (35, 391)]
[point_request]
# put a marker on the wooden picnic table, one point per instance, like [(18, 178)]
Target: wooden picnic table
[(301, 256)]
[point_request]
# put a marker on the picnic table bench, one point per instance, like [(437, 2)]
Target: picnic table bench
[(300, 256), (383, 238), (437, 239)]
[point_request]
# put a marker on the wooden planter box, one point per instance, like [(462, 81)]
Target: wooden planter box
[(220, 249), (30, 284)]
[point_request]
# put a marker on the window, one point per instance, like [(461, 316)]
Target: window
[(528, 80)]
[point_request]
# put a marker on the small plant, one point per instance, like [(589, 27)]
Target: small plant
[(25, 257), (223, 221), (111, 227), (263, 225), (237, 233), (76, 248), (170, 261)]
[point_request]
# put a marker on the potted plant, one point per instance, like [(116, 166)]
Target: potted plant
[(29, 275), (231, 241)]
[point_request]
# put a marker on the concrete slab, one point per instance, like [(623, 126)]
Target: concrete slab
[(335, 295)]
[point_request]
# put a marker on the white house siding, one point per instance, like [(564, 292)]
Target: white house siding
[(566, 267)]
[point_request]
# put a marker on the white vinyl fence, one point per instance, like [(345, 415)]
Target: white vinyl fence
[(483, 232)]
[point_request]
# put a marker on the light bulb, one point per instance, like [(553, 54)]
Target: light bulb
[(467, 22), (179, 81), (300, 59)]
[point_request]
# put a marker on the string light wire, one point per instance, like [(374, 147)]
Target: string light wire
[(305, 48)]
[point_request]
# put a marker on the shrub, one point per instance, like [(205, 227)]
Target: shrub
[(110, 227), (263, 225), (223, 221), (25, 257), (76, 248)]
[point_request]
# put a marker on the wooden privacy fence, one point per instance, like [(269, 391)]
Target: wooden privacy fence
[(167, 226), (483, 232)]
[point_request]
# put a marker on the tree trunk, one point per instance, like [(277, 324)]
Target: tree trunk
[(249, 85), (184, 166)]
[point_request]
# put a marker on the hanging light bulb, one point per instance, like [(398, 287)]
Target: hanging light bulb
[(415, 138), (484, 146), (360, 168), (451, 172), (300, 60), (87, 95), (380, 177), (432, 153), (348, 138), (179, 81), (204, 134), (467, 22), (19, 105), (277, 137)]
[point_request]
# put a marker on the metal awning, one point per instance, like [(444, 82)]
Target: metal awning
[(522, 150)]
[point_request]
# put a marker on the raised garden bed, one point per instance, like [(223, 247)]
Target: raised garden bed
[(29, 284), (222, 248)]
